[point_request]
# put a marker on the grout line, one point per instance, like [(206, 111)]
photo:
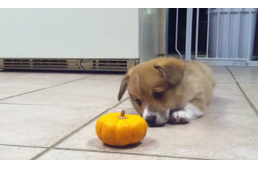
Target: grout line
[(225, 82), (42, 105), (26, 104), (138, 154), (70, 81), (21, 94), (211, 113), (61, 106), (46, 88), (218, 94), (246, 97), (14, 76), (14, 145), (75, 131)]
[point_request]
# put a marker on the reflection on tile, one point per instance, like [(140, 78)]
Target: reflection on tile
[(27, 82), (227, 88), (118, 77), (254, 100), (219, 70), (224, 78), (18, 153), (84, 155), (126, 104), (243, 70), (247, 78), (230, 104), (250, 89), (95, 93), (41, 125), (42, 79), (7, 91), (5, 75)]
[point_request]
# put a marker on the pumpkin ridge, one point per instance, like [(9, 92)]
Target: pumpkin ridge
[(125, 121), (131, 132), (98, 127), (116, 129), (108, 125), (117, 120), (100, 135), (133, 135)]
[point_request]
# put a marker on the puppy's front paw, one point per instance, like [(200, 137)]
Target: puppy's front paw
[(181, 116), (184, 116)]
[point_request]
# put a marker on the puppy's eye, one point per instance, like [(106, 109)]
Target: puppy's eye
[(158, 95), (139, 102)]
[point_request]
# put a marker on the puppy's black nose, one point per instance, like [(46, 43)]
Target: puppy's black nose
[(151, 120)]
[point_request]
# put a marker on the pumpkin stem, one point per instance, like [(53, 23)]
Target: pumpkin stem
[(122, 116)]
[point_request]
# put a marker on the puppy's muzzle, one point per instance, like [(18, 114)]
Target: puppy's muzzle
[(151, 119)]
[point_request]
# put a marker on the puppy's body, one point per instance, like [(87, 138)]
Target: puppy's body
[(168, 89), (197, 84)]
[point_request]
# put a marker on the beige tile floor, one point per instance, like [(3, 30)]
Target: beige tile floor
[(48, 116)]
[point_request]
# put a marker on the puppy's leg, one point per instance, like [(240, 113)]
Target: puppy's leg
[(193, 110)]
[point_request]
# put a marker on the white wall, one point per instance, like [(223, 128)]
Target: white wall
[(69, 33)]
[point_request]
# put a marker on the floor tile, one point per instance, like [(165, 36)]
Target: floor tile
[(227, 88), (34, 81), (95, 93), (254, 100), (243, 70), (222, 74), (18, 153), (219, 69), (235, 104), (5, 75), (41, 125), (8, 91), (247, 78), (43, 79), (214, 136), (84, 155), (226, 78), (250, 89), (127, 110), (118, 77), (126, 104)]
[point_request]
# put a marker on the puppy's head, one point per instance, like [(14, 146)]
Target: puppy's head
[(153, 88)]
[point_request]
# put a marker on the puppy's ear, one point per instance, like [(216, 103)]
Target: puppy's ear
[(123, 85), (171, 69)]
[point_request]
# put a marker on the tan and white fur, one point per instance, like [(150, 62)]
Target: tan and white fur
[(169, 90)]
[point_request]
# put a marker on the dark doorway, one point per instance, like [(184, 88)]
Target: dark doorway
[(202, 35)]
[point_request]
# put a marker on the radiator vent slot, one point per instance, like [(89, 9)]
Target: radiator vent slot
[(109, 65), (121, 65), (55, 64), (19, 63)]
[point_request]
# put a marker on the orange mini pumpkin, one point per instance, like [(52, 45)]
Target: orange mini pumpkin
[(118, 129)]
